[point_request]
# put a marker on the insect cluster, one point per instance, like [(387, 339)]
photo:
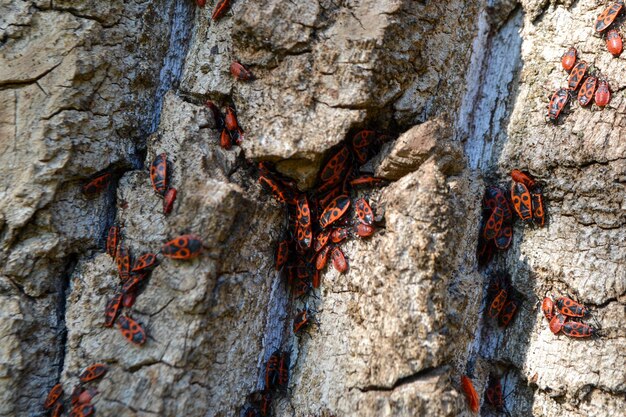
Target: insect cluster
[(319, 222), (592, 87), (80, 399), (563, 314), (525, 198), (134, 275)]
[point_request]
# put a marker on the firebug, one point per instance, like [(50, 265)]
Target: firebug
[(54, 394), (607, 17), (131, 330), (569, 59), (93, 372), (168, 202), (97, 184), (603, 93), (159, 174), (240, 72), (183, 247)]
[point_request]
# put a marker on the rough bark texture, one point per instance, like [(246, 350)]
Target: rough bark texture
[(91, 85)]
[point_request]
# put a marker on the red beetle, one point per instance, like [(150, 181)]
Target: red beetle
[(200, 3), (129, 298), (240, 72), (614, 42), (112, 241), (220, 8), (569, 59), (575, 329), (183, 247), (86, 396), (271, 370), (364, 230), (283, 369), (122, 258), (473, 401), (557, 103), (97, 184), (339, 261), (159, 174), (282, 254), (494, 224), (168, 202), (145, 262), (585, 95), (54, 394), (603, 93), (607, 17), (521, 199), (322, 258), (497, 304), (334, 211), (131, 330), (519, 176), (361, 143), (539, 216), (364, 211), (225, 141), (557, 322), (339, 234), (577, 75), (504, 237), (84, 410), (58, 410), (570, 308), (131, 284), (547, 306), (303, 319), (334, 170), (322, 239), (217, 115), (93, 372), (280, 192)]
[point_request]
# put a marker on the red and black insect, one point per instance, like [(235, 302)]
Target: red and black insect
[(504, 237), (485, 251), (364, 230), (508, 312), (283, 369), (576, 75), (220, 8), (145, 262), (539, 216), (129, 298), (339, 234), (75, 396), (303, 320), (58, 410), (131, 330), (497, 304), (339, 260), (519, 176), (364, 211), (282, 254), (159, 174), (240, 72), (367, 180), (168, 202), (183, 247), (131, 283), (557, 103), (322, 239), (86, 396), (97, 184), (607, 17), (334, 211), (570, 308), (473, 401), (580, 330), (493, 394), (84, 410), (271, 370), (54, 394), (231, 123), (265, 405), (494, 224), (112, 241), (361, 143), (557, 322), (569, 59), (335, 169), (92, 372), (322, 258), (122, 258), (200, 3), (303, 216), (603, 94), (282, 193), (520, 197), (547, 306), (614, 42), (585, 95), (225, 140)]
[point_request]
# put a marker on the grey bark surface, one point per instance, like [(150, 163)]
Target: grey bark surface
[(90, 85)]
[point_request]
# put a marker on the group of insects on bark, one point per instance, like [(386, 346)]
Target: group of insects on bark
[(591, 85)]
